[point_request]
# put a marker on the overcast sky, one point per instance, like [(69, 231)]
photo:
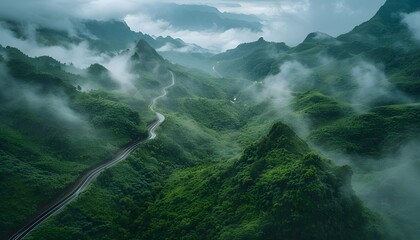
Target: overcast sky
[(284, 20)]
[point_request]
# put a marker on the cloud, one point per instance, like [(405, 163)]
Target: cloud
[(291, 21), (54, 104), (371, 83), (78, 54), (412, 20), (372, 86), (391, 188), (120, 68), (279, 91), (283, 20), (279, 88)]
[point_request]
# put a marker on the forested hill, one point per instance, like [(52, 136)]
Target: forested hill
[(267, 141)]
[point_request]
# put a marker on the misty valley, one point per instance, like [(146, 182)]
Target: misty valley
[(210, 119)]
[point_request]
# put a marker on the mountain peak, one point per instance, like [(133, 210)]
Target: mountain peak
[(386, 25), (144, 52), (318, 37), (281, 137)]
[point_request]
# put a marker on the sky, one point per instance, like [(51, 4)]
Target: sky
[(286, 21)]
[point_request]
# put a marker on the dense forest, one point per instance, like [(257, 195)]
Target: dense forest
[(262, 141)]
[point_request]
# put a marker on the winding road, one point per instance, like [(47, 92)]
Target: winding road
[(215, 71), (86, 179)]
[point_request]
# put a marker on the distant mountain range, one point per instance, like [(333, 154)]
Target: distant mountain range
[(202, 18), (259, 142)]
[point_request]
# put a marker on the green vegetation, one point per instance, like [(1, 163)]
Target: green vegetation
[(277, 189), (319, 108), (381, 131), (222, 167), (251, 60), (50, 134)]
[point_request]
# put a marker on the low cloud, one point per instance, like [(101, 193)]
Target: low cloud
[(80, 55), (372, 86), (189, 48), (15, 95), (279, 91), (291, 21), (120, 68), (279, 88), (212, 40), (283, 21), (412, 20), (391, 188)]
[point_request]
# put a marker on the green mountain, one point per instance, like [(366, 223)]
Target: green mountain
[(250, 60), (277, 185), (45, 118), (374, 40), (243, 156)]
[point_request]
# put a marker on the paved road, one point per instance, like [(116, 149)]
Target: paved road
[(86, 179)]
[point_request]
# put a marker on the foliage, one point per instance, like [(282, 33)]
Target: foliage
[(50, 134), (380, 131)]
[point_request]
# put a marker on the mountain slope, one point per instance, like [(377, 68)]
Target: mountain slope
[(250, 60), (192, 182), (278, 189), (52, 132)]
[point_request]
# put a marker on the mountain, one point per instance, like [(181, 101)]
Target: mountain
[(250, 60), (317, 141), (202, 17), (144, 52), (278, 189), (43, 121), (384, 39)]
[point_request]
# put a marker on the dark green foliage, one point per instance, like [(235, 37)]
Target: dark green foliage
[(276, 190), (190, 183), (380, 131), (51, 133), (123, 192), (215, 114), (319, 108)]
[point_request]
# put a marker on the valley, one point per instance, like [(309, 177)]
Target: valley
[(134, 136)]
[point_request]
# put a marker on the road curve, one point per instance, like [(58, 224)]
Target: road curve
[(87, 178), (215, 71)]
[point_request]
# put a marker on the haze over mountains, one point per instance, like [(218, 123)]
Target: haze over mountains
[(266, 140)]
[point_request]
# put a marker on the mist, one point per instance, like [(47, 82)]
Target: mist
[(412, 20), (120, 68), (372, 87), (390, 187), (371, 84), (19, 95), (279, 91), (77, 56), (80, 54), (212, 40)]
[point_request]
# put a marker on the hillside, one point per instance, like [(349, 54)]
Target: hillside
[(266, 141), (279, 188)]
